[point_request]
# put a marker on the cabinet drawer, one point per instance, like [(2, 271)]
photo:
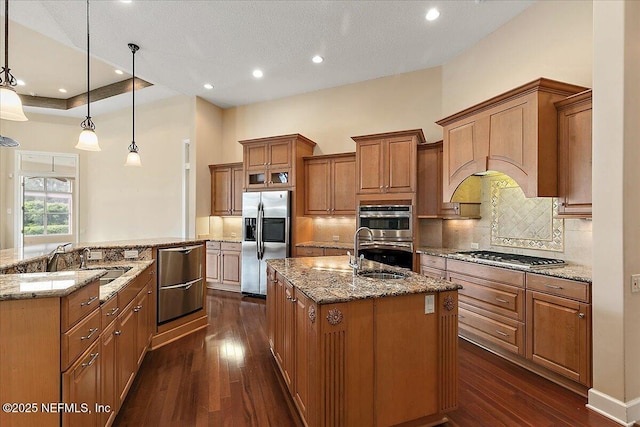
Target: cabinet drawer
[(109, 311), (131, 289), (225, 246), (433, 272), (213, 245), (79, 338), (495, 297), (511, 277), (560, 287), (335, 252), (78, 304), (505, 333), (310, 252), (433, 261)]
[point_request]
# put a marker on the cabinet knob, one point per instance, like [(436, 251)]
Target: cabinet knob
[(149, 292), (294, 300), (581, 315), (563, 204), (117, 333), (381, 187)]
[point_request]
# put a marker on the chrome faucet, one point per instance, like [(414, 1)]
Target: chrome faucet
[(355, 262), (52, 261), (84, 257)]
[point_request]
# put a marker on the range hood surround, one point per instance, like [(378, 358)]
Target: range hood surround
[(513, 133)]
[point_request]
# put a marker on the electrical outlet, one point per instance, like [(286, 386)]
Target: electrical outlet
[(130, 254), (474, 245), (233, 234), (336, 238), (635, 283), (429, 304), (95, 255)]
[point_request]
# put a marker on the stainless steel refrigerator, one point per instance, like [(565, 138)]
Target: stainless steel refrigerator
[(265, 235)]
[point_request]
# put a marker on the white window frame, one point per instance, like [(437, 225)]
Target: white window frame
[(19, 194)]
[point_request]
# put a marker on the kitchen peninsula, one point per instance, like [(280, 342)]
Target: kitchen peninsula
[(378, 350)]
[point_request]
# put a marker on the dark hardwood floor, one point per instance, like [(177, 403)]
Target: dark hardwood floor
[(225, 376)]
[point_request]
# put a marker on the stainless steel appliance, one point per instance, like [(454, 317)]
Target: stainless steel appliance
[(265, 235), (513, 260), (180, 281), (392, 234)]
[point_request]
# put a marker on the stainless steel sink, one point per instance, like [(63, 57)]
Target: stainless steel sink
[(383, 275), (112, 274)]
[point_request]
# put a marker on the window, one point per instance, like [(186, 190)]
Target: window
[(46, 195)]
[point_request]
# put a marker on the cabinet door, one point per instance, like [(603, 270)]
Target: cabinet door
[(237, 182), (369, 160), (288, 337), (559, 335), (317, 187), (279, 178), (280, 304), (303, 340), (108, 378), (429, 180), (221, 191), (142, 329), (230, 267), (255, 155), (279, 154), (575, 160), (81, 385), (126, 350), (335, 252), (271, 306), (213, 266), (343, 186), (400, 165)]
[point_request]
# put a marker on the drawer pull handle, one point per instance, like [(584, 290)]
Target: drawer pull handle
[(504, 301), (581, 315), (294, 300), (113, 311), (288, 297), (91, 332), (89, 301), (552, 286), (94, 356), (137, 308), (502, 333), (149, 292), (117, 333)]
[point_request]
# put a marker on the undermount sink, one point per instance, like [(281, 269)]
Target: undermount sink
[(383, 275), (112, 274)]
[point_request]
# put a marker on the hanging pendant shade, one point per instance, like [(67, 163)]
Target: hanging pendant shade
[(133, 158), (10, 104), (88, 140)]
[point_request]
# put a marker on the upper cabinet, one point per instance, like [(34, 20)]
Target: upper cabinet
[(514, 133), (226, 189), (387, 162), (330, 185), (272, 162), (574, 155)]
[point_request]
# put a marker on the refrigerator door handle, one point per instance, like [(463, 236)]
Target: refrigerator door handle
[(259, 225)]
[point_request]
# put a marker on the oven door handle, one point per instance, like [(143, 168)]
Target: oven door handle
[(382, 245), (184, 286)]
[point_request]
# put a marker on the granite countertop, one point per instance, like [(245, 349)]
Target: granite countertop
[(45, 285), (15, 256), (227, 239), (332, 245), (570, 271), (111, 289), (328, 280)]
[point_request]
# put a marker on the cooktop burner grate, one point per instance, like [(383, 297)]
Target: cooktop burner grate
[(522, 261)]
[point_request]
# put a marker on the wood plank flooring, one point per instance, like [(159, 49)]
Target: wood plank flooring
[(225, 376)]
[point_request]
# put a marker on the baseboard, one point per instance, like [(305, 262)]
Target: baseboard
[(625, 414), (164, 338)]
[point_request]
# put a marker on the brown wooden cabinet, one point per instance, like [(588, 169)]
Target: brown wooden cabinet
[(126, 350), (304, 355), (274, 162), (226, 189), (429, 193), (313, 251), (514, 133), (142, 325), (559, 326), (574, 155), (81, 388), (387, 162), (433, 266), (330, 185), (213, 262), (224, 266), (108, 375)]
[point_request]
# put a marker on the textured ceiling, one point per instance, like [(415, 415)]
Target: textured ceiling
[(184, 44)]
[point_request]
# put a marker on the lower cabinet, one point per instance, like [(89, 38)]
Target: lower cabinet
[(81, 389), (224, 265), (311, 251), (108, 376), (126, 350)]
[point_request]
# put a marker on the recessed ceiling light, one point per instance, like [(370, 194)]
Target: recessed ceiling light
[(126, 1), (63, 90), (208, 86), (317, 59), (257, 73), (432, 14), (119, 72), (20, 82)]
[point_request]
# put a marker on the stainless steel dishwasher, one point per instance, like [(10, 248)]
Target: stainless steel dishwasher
[(180, 281)]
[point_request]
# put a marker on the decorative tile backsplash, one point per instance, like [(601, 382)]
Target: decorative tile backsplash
[(517, 221)]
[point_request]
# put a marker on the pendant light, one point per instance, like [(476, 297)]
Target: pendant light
[(133, 158), (88, 140), (10, 104)]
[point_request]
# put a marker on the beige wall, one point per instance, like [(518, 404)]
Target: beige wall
[(330, 117), (550, 39)]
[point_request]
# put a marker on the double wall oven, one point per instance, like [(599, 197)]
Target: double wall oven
[(392, 228)]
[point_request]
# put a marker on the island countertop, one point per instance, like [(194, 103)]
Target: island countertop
[(45, 285), (328, 280)]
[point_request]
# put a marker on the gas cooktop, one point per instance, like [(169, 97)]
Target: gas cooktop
[(515, 260)]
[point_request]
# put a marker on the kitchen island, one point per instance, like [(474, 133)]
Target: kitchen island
[(363, 351)]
